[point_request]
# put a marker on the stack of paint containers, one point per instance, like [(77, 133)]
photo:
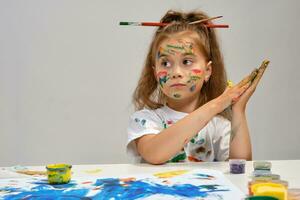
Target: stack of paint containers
[(266, 184)]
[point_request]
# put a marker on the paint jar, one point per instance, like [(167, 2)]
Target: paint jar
[(270, 176), (237, 166), (253, 182), (276, 190), (262, 165), (59, 173)]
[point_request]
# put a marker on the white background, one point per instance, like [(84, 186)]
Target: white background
[(68, 70)]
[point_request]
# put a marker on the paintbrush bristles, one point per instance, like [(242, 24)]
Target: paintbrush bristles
[(205, 20)]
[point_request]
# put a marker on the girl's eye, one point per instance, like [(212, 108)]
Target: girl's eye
[(165, 63), (187, 62)]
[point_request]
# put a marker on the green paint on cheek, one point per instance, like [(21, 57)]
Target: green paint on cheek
[(163, 80), (195, 78)]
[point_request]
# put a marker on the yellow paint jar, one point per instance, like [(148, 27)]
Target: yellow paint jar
[(59, 173), (276, 190)]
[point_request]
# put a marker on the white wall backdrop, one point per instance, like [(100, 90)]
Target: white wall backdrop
[(68, 70)]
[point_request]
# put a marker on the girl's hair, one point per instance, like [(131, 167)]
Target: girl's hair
[(148, 95)]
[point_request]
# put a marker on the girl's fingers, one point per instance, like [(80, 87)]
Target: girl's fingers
[(248, 78), (244, 88), (249, 82), (261, 71), (255, 75), (237, 92)]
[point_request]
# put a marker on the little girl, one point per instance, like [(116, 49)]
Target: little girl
[(185, 111)]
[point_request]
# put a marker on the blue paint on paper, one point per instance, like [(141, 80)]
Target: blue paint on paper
[(109, 188), (141, 189), (204, 176)]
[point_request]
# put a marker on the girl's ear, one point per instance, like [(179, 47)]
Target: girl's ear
[(208, 71)]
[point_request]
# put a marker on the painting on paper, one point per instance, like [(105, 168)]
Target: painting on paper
[(180, 184)]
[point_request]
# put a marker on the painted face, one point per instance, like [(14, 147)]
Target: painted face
[(180, 67)]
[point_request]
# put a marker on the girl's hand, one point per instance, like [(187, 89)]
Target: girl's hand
[(240, 104), (232, 94), (238, 95)]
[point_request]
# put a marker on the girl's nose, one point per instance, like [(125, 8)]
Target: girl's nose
[(177, 73)]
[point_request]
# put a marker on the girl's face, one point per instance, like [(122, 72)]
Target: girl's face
[(180, 67)]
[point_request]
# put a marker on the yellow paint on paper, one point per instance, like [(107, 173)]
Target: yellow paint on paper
[(93, 171), (170, 174), (32, 172)]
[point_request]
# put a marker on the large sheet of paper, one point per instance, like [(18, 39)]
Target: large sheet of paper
[(180, 184)]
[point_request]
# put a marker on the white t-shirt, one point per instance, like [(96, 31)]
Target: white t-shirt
[(210, 144)]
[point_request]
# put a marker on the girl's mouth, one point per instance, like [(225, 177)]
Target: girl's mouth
[(178, 85)]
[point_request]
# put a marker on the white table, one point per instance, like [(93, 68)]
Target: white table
[(287, 169)]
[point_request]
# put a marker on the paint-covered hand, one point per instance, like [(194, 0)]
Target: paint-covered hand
[(239, 94), (231, 95), (239, 105)]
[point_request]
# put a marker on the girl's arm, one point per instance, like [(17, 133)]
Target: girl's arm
[(159, 148), (240, 145)]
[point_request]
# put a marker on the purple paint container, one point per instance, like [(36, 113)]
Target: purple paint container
[(237, 166)]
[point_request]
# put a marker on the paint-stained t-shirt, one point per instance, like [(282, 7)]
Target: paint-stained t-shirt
[(211, 143)]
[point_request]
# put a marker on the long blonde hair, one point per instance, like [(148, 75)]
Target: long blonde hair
[(147, 93)]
